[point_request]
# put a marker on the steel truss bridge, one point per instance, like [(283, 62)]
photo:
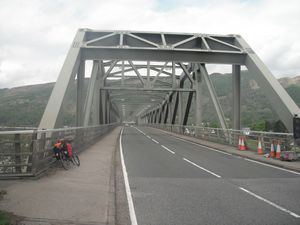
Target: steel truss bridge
[(155, 77)]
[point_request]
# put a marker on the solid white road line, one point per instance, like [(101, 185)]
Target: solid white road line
[(206, 170), (148, 136), (155, 141), (276, 167), (270, 203), (167, 149), (127, 187), (213, 149)]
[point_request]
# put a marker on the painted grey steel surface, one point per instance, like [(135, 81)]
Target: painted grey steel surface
[(236, 96), (80, 94), (152, 77), (166, 189), (65, 78)]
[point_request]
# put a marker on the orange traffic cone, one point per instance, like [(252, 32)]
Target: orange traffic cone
[(259, 148), (272, 150), (243, 147), (239, 147), (278, 150)]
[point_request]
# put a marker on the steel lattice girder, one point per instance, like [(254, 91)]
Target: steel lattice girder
[(160, 62)]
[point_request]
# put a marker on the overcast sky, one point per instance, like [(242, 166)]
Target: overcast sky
[(35, 35)]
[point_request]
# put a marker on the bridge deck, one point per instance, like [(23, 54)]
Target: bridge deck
[(164, 173), (80, 195)]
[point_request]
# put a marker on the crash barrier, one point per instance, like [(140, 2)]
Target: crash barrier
[(270, 143), (29, 152)]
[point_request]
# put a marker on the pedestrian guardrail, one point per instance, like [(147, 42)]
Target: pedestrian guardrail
[(29, 152), (231, 137)]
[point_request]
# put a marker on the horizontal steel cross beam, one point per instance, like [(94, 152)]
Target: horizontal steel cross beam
[(214, 57)]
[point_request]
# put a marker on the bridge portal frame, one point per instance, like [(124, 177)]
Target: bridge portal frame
[(186, 51)]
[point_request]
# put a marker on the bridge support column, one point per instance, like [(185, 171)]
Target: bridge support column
[(152, 116), (170, 107), (107, 108), (166, 113), (187, 108), (198, 109), (175, 107), (80, 94), (236, 87), (157, 115), (102, 106), (162, 114), (180, 109)]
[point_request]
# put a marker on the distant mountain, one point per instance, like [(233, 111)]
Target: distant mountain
[(287, 81), (24, 106)]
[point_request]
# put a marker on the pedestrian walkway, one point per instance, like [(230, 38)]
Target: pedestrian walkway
[(81, 195), (294, 165)]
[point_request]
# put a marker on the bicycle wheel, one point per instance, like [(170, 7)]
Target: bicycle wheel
[(76, 160), (65, 162)]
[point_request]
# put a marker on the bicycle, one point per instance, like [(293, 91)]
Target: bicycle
[(75, 159), (64, 159)]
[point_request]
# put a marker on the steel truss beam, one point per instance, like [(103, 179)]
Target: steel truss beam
[(160, 63)]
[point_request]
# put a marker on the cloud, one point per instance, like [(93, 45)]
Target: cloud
[(35, 35)]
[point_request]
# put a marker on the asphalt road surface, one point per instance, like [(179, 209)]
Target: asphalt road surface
[(173, 181)]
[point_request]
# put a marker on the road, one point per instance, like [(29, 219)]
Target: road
[(178, 182)]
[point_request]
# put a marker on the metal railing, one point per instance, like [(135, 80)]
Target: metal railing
[(29, 152), (231, 137)]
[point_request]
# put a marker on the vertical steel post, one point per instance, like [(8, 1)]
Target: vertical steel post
[(166, 112), (236, 86), (170, 107), (180, 102), (198, 97), (108, 111), (80, 94)]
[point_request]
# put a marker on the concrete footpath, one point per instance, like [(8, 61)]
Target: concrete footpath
[(294, 165), (80, 195)]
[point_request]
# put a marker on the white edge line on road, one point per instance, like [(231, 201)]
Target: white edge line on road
[(270, 203), (148, 136), (155, 141), (181, 139), (206, 170), (167, 149), (127, 187), (276, 167)]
